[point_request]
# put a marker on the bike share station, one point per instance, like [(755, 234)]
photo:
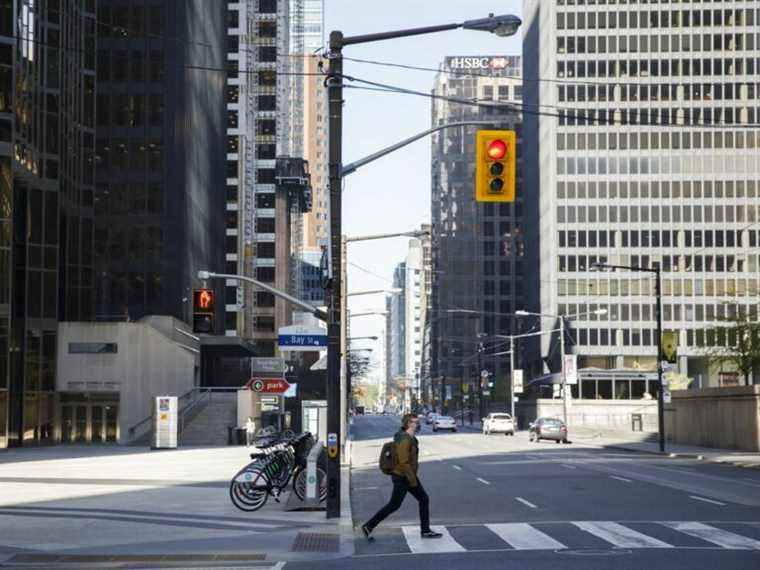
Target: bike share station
[(284, 457)]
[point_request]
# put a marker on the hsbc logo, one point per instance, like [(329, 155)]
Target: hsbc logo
[(486, 63)]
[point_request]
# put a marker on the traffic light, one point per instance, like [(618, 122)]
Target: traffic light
[(495, 166), (203, 311)]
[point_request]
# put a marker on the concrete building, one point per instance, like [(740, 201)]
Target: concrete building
[(259, 217), (477, 249), (47, 147), (109, 374), (416, 293), (643, 158)]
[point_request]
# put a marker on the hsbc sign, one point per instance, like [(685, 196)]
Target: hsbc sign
[(482, 63)]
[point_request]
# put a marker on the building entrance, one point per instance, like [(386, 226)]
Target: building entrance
[(87, 418)]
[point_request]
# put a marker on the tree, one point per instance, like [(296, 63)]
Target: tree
[(736, 341), (359, 366)]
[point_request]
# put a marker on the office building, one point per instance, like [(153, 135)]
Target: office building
[(396, 344), (477, 248), (47, 142), (647, 156), (159, 199)]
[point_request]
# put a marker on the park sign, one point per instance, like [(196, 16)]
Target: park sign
[(302, 338), (268, 385)]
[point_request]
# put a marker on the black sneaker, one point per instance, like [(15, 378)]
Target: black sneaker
[(367, 532), (430, 534)]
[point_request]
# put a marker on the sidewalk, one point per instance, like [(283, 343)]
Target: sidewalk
[(645, 442), (111, 507)]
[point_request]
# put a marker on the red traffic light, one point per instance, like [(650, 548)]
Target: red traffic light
[(497, 149)]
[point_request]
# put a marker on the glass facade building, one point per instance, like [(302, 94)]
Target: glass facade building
[(47, 141), (647, 156), (159, 199), (477, 248)]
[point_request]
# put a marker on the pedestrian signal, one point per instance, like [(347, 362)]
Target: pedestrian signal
[(495, 166), (203, 311)]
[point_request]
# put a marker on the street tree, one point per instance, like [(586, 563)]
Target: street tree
[(734, 342)]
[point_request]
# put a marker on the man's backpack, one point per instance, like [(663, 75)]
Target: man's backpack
[(387, 461)]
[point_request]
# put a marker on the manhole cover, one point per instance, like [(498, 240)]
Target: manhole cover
[(594, 552), (316, 542)]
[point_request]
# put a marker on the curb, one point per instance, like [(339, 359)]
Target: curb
[(677, 455)]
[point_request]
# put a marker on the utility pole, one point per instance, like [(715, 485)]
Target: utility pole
[(661, 395), (562, 368), (335, 106), (511, 377)]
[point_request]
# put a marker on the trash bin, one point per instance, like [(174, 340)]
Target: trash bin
[(637, 423)]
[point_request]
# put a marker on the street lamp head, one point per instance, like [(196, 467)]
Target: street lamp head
[(522, 313), (502, 26), (204, 274), (600, 312)]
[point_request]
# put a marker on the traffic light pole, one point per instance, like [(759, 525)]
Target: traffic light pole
[(334, 313)]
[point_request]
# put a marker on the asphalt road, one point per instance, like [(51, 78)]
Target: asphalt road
[(505, 502)]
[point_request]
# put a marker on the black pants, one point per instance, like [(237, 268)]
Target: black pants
[(400, 489)]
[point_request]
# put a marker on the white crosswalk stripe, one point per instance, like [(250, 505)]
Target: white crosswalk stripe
[(522, 536), (715, 535), (549, 536), (621, 536), (419, 545)]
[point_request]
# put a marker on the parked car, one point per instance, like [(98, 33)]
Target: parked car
[(431, 417), (548, 428), (498, 423), (444, 422)]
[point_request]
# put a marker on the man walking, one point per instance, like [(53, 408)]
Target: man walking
[(405, 480)]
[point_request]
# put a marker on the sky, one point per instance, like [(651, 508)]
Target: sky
[(393, 194)]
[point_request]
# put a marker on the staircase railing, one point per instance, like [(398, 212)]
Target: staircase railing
[(187, 404)]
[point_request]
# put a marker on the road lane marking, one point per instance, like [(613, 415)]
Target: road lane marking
[(419, 545), (707, 500), (483, 481), (526, 503), (457, 467), (568, 466), (621, 536), (621, 479), (715, 535), (522, 536)]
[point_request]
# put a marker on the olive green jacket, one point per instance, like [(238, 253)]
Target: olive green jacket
[(407, 457)]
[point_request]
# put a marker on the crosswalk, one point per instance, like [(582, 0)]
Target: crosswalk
[(565, 535)]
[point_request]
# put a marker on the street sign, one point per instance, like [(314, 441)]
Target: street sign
[(268, 385), (301, 338), (570, 369), (517, 381)]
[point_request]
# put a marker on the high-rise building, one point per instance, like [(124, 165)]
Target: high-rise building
[(47, 142), (396, 346), (477, 248), (309, 119), (416, 292), (259, 225), (645, 154), (159, 199)]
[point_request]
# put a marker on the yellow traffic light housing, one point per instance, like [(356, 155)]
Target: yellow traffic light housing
[(495, 166)]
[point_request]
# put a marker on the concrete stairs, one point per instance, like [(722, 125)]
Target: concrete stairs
[(208, 426)]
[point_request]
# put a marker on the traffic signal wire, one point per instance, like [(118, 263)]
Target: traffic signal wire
[(465, 74), (524, 107)]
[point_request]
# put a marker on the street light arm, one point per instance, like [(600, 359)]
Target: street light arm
[(339, 41), (351, 168), (371, 237), (321, 315)]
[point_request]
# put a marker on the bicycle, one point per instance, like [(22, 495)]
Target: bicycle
[(272, 469)]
